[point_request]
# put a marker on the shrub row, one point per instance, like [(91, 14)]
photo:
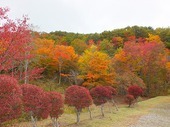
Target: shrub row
[(39, 104)]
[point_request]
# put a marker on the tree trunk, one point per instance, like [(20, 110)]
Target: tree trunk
[(74, 76), (78, 115), (55, 122), (33, 121), (90, 112), (113, 102), (59, 81), (102, 106), (129, 104), (20, 71), (26, 71), (110, 110), (1, 124)]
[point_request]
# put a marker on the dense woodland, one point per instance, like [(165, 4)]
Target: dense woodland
[(131, 56)]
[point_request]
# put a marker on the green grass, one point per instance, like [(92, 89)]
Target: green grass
[(122, 118)]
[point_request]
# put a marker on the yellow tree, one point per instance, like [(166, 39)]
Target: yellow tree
[(95, 68), (154, 38)]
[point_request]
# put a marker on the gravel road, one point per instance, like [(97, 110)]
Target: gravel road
[(157, 117)]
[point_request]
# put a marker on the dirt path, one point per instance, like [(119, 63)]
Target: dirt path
[(157, 117)]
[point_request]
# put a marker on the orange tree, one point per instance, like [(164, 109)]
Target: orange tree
[(56, 59)]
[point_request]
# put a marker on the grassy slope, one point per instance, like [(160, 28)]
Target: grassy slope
[(123, 118)]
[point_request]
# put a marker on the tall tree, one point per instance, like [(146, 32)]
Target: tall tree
[(95, 67), (147, 60), (15, 47)]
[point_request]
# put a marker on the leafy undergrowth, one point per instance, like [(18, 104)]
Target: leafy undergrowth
[(122, 118)]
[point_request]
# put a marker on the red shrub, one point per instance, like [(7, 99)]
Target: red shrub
[(100, 95), (57, 104), (129, 99), (35, 100), (78, 97), (10, 98), (113, 90), (135, 90)]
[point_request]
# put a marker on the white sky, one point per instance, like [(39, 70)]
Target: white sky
[(89, 16)]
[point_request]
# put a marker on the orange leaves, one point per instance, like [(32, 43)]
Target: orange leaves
[(95, 66), (121, 56), (2, 47), (47, 48), (44, 46), (52, 56), (64, 52), (168, 66)]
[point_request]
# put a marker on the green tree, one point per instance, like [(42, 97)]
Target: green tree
[(79, 46)]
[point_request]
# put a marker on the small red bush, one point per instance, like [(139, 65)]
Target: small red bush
[(78, 97), (113, 90), (57, 104), (35, 100), (100, 94), (135, 90), (129, 99), (10, 98)]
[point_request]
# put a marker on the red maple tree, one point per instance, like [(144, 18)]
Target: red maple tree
[(100, 95), (10, 98), (36, 102), (79, 97), (135, 90), (57, 105), (129, 99)]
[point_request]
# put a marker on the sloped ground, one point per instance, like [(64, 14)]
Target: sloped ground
[(158, 117)]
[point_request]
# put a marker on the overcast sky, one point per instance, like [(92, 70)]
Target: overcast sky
[(89, 16)]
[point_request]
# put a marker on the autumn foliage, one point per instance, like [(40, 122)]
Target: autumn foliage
[(100, 95), (135, 90), (10, 98), (113, 90), (15, 41), (129, 99), (78, 96), (94, 67), (57, 104), (35, 101)]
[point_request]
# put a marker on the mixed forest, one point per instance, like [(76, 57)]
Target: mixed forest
[(37, 68)]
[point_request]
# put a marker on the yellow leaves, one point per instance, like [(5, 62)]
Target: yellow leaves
[(154, 38), (94, 61), (95, 66)]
